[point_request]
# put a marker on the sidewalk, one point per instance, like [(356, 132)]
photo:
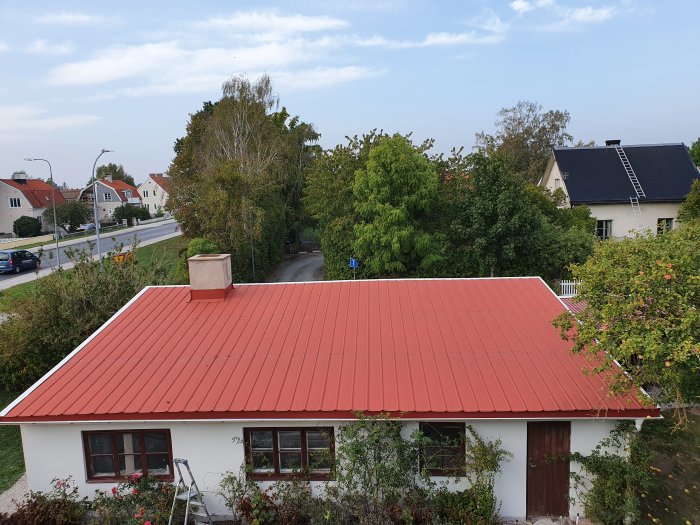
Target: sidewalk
[(30, 276), (71, 242)]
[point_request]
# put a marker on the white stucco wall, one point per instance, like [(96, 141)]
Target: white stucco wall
[(622, 216), (153, 196), (56, 451), (8, 215)]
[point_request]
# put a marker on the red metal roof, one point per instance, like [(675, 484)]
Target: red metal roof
[(37, 192), (574, 306), (462, 348)]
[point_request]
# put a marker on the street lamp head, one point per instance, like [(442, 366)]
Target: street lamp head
[(107, 151), (28, 159)]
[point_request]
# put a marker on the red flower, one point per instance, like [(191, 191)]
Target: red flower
[(140, 513), (134, 491), (146, 523), (667, 276), (114, 491), (136, 475)]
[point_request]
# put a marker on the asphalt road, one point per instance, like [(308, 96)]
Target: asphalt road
[(300, 267), (107, 243)]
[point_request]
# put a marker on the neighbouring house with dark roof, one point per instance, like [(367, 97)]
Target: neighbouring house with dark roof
[(155, 192), (110, 195), (628, 189), (265, 375), (22, 196), (70, 194)]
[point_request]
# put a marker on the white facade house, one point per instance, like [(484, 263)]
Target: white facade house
[(21, 196), (111, 194), (628, 189), (220, 374), (154, 193)]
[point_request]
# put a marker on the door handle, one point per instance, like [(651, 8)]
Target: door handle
[(532, 465)]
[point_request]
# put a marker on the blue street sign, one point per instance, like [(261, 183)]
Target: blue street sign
[(353, 263)]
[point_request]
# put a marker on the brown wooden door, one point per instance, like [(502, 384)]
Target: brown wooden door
[(547, 472)]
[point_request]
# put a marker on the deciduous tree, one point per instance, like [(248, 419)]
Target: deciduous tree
[(70, 215), (690, 208), (116, 171), (642, 308), (525, 136), (392, 193)]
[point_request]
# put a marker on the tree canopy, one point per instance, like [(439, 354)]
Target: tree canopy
[(642, 308), (69, 215), (695, 152), (237, 175), (525, 136), (116, 171), (690, 208)]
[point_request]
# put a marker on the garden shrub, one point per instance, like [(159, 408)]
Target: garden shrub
[(26, 226), (136, 501), (60, 506), (611, 479)]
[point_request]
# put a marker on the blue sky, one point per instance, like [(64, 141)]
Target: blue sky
[(81, 76)]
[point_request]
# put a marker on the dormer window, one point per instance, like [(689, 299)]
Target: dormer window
[(107, 196)]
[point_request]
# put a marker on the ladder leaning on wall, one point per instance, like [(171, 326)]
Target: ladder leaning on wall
[(638, 190)]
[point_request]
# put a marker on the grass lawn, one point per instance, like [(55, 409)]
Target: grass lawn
[(167, 251), (676, 497), (11, 458)]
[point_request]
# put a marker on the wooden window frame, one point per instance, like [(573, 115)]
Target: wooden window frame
[(443, 471), (605, 229), (276, 474), (17, 200), (91, 478), (667, 225)]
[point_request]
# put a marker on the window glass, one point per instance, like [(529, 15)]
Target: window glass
[(604, 229), (283, 452), (444, 455), (111, 454), (664, 225)]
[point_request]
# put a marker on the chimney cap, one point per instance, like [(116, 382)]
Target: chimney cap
[(612, 142)]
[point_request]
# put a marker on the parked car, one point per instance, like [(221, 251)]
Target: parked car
[(17, 260), (87, 227)]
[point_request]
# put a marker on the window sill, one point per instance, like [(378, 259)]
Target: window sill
[(261, 476), (120, 479)]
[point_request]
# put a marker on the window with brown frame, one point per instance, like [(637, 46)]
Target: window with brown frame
[(279, 453), (113, 455), (444, 455)]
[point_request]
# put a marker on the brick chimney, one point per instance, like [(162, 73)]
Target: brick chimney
[(210, 276)]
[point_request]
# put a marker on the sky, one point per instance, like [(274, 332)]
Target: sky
[(80, 76)]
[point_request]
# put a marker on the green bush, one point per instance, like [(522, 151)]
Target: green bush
[(60, 506), (610, 479), (134, 501), (26, 226)]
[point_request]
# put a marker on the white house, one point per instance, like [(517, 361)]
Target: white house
[(628, 189), (22, 196), (110, 195), (154, 192), (267, 374)]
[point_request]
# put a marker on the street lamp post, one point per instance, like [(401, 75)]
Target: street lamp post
[(95, 207), (53, 205)]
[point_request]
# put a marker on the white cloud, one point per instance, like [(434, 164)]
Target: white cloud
[(491, 30), (323, 76), (521, 6), (74, 18), (574, 18), (44, 47), (19, 122), (4, 47), (270, 22)]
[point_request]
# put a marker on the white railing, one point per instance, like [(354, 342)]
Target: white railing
[(568, 288), (133, 200)]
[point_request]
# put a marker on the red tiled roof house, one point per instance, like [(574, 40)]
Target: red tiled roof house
[(110, 195), (181, 371), (155, 192), (22, 196)]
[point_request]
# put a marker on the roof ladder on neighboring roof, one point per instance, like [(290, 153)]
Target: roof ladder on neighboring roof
[(630, 172), (637, 210), (190, 494)]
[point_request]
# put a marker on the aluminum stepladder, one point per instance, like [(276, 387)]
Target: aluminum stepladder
[(190, 494)]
